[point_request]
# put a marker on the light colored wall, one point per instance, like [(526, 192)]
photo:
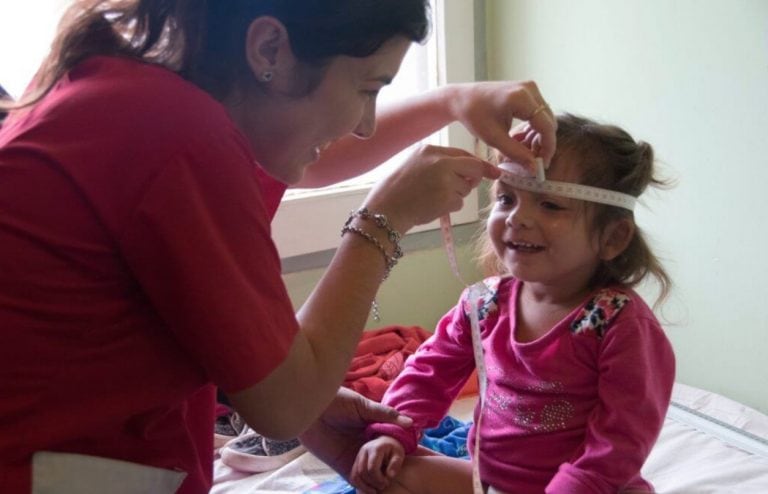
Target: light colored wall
[(420, 289), (691, 78)]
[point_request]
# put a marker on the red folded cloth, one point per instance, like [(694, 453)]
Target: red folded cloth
[(380, 356)]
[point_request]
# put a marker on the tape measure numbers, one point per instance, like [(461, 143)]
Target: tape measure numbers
[(570, 190)]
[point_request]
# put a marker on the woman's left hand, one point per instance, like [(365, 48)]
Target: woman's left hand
[(487, 109), (339, 432)]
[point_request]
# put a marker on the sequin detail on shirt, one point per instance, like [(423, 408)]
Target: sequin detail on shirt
[(598, 313), (487, 303)]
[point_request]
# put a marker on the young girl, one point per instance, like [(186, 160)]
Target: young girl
[(579, 372)]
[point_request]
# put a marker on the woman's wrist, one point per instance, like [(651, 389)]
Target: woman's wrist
[(396, 221), (447, 99), (375, 228)]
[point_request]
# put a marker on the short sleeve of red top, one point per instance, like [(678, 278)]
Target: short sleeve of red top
[(138, 268)]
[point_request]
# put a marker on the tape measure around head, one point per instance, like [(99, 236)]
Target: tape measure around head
[(570, 190)]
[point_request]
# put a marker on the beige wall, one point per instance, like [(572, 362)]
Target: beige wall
[(691, 78)]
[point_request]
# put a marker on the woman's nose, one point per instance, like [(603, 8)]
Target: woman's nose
[(367, 124)]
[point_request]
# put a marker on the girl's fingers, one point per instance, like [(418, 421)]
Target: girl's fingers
[(395, 463)]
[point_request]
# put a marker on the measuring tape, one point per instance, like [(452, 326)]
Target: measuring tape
[(540, 184), (570, 190), (474, 294)]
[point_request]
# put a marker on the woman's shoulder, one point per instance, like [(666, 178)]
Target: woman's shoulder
[(145, 97), (144, 109)]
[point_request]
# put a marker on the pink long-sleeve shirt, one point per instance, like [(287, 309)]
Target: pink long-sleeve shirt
[(575, 411)]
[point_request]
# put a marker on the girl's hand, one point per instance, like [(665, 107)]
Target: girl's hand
[(433, 182), (377, 462), (487, 109)]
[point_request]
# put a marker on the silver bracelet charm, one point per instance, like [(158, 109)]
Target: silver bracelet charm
[(393, 236), (382, 222), (389, 261)]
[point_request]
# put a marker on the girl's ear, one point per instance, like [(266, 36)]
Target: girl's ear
[(615, 238), (268, 50)]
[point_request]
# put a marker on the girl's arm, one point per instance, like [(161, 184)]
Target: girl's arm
[(637, 369), (484, 108), (431, 380)]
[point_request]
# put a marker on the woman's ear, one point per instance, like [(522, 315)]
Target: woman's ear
[(268, 49), (615, 238)]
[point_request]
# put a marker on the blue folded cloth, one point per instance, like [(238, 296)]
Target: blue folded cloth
[(448, 438)]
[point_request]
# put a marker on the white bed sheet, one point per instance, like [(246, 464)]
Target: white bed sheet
[(709, 444)]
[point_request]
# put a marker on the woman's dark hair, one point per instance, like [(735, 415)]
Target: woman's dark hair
[(204, 40), (3, 96), (609, 158)]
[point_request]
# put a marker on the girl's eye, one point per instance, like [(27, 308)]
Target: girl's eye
[(505, 199), (552, 206)]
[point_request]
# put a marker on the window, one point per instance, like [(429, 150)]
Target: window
[(309, 221), (26, 32)]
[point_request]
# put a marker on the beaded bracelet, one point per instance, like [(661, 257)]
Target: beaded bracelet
[(382, 222), (389, 262), (393, 236)]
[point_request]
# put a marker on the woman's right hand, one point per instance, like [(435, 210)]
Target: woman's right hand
[(433, 182)]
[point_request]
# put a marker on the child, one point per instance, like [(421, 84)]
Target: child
[(579, 371)]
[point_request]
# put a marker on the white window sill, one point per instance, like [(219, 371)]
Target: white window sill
[(312, 222)]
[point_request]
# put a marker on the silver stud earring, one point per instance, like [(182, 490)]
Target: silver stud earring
[(266, 76)]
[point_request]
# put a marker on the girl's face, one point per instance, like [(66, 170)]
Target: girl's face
[(544, 239), (288, 132)]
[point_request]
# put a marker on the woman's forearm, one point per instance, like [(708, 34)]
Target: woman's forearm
[(397, 127), (487, 109), (331, 323), (431, 183)]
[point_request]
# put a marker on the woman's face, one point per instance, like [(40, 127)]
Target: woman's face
[(289, 132)]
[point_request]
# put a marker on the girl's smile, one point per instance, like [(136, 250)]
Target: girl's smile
[(541, 238)]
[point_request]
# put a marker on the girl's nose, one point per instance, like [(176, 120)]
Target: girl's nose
[(519, 217)]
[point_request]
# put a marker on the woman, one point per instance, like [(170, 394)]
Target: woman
[(138, 178)]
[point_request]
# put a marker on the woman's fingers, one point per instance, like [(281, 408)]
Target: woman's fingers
[(542, 120), (431, 183), (488, 109)]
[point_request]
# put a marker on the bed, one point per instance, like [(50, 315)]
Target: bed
[(709, 444)]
